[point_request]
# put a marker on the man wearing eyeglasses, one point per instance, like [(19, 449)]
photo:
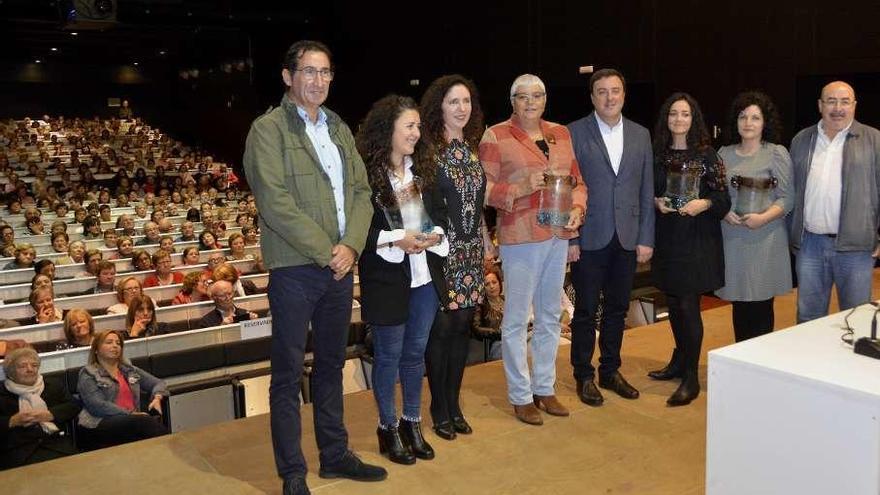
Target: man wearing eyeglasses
[(314, 200), (616, 161), (835, 220)]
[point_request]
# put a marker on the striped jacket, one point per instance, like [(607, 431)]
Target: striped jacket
[(509, 158)]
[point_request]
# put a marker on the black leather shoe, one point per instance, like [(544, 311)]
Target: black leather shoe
[(589, 394), (392, 444), (411, 433), (675, 368), (352, 467), (687, 391), (461, 426), (295, 486), (617, 384), (445, 430)]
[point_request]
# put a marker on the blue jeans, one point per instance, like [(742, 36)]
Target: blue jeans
[(533, 277), (300, 296), (400, 350), (819, 266)]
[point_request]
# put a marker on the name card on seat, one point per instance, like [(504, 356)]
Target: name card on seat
[(254, 329)]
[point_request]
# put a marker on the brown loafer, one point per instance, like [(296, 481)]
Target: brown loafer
[(529, 414), (550, 405)]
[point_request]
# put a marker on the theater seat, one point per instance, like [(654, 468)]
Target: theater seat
[(188, 361)]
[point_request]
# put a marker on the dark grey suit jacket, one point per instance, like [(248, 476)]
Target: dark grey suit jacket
[(624, 202)]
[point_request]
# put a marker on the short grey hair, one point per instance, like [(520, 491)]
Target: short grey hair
[(12, 358), (526, 80)]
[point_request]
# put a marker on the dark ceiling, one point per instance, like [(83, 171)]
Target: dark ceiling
[(180, 32)]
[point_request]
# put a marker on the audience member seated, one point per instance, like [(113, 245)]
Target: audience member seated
[(190, 256), (33, 413), (141, 319), (163, 274), (24, 257), (236, 248), (165, 226), (42, 300), (195, 288), (92, 226), (187, 232), (126, 290), (488, 316), (75, 253), (110, 389), (7, 235), (41, 280), (225, 312), (34, 227), (166, 243), (151, 234), (60, 241), (104, 280), (125, 225), (229, 273), (124, 247), (45, 267), (141, 261), (207, 241), (79, 328)]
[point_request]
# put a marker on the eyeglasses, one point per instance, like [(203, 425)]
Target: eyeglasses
[(834, 102), (525, 97), (312, 72)]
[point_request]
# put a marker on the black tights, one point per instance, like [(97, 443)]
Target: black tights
[(752, 318), (687, 327), (445, 359)]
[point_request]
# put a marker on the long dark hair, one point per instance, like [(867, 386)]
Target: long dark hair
[(772, 131), (431, 109), (374, 145), (698, 134)]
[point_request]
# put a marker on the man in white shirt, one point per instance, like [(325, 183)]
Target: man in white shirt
[(836, 217)]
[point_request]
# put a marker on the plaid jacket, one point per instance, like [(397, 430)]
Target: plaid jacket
[(509, 157)]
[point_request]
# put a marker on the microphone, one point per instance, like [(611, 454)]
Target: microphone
[(870, 346)]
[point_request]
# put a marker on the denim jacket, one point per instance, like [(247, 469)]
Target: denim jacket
[(97, 391)]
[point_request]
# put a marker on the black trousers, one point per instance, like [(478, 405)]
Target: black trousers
[(752, 318), (445, 359), (300, 296), (687, 327), (609, 270), (117, 430)]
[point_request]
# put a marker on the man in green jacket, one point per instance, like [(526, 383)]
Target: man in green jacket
[(314, 202)]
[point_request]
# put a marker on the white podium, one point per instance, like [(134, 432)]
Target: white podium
[(795, 412)]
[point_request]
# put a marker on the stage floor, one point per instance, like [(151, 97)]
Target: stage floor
[(624, 447)]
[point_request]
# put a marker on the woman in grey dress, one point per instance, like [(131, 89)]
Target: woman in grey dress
[(757, 265)]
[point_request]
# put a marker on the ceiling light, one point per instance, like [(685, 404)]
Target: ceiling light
[(73, 33), (53, 49)]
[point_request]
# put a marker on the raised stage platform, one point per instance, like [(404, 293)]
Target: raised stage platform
[(624, 447)]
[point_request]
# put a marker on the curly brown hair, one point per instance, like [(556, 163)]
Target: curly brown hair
[(772, 122), (431, 109), (374, 145)]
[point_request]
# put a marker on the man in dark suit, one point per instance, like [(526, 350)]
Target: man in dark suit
[(225, 311), (616, 162)]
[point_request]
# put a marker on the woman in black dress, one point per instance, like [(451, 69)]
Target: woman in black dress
[(688, 257), (452, 124)]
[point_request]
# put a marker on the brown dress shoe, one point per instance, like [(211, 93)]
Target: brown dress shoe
[(550, 405), (529, 414)]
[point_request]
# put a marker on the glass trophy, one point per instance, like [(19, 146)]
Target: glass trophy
[(682, 184), (408, 212), (752, 195), (554, 203)]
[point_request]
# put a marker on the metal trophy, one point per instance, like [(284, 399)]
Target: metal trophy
[(408, 212), (752, 194), (554, 203), (683, 184)]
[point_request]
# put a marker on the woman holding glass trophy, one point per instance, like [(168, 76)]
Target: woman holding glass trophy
[(757, 264), (533, 180), (691, 195), (401, 268)]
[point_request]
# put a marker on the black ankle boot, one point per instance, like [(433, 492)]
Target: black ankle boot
[(687, 391), (411, 433), (675, 368), (390, 443)]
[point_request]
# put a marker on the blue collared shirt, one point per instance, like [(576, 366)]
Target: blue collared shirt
[(331, 160)]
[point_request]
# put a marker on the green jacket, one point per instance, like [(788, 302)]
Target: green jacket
[(293, 193)]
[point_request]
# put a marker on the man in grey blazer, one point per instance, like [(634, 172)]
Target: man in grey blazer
[(616, 161)]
